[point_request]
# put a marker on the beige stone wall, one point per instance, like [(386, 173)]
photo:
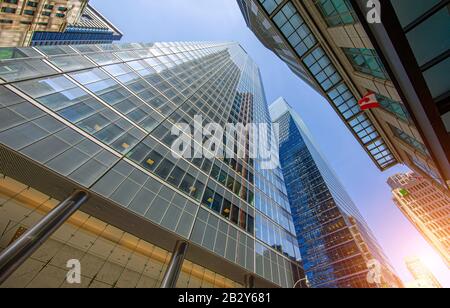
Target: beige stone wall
[(110, 258), (16, 29)]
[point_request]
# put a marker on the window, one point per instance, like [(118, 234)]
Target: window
[(427, 169), (413, 142), (94, 124), (226, 209), (187, 184), (8, 10), (250, 224), (409, 11), (217, 203), (197, 189), (243, 219), (234, 214), (323, 70), (295, 29), (215, 172), (270, 5), (79, 111), (176, 176), (223, 177), (32, 3), (230, 182), (164, 169), (23, 69), (336, 12), (366, 61), (208, 197), (419, 19), (344, 100), (394, 107)]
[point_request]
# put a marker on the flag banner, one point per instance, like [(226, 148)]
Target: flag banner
[(369, 101)]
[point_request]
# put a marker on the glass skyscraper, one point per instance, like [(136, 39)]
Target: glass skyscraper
[(335, 243), (98, 118)]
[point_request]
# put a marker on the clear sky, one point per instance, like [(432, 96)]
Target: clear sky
[(221, 20)]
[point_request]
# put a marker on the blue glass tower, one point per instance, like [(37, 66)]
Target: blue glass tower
[(336, 244)]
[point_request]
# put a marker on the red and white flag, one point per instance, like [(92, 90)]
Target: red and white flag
[(369, 101)]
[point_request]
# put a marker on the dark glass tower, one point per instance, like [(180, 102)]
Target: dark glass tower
[(335, 243)]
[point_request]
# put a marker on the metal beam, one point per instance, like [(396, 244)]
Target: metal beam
[(19, 251), (175, 265)]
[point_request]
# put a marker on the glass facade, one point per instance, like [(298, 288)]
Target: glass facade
[(411, 141), (101, 117), (334, 241), (419, 19), (395, 108), (336, 12), (73, 36)]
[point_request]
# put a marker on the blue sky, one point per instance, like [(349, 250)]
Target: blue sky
[(221, 20)]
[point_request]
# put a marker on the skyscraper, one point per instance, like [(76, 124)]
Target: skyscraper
[(422, 275), (19, 19), (91, 28), (331, 45), (98, 119), (336, 245), (426, 207)]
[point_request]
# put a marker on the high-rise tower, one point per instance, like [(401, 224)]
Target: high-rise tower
[(426, 207), (337, 247), (99, 118), (422, 275)]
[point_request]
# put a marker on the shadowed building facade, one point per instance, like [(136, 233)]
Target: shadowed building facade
[(336, 245), (98, 118), (331, 45)]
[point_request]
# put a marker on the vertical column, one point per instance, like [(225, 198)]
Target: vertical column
[(174, 268), (19, 251), (249, 282)]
